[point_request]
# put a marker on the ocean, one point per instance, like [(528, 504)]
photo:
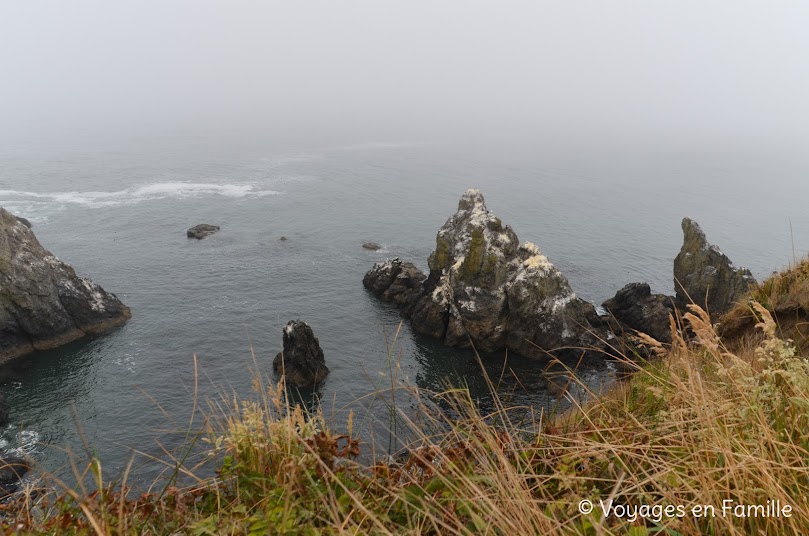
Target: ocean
[(116, 208)]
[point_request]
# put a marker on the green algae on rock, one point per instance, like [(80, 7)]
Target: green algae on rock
[(487, 290)]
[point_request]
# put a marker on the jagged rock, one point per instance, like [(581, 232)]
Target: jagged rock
[(705, 276), (301, 361), (24, 221), (488, 290), (201, 231), (636, 307), (396, 281), (43, 303), (373, 246)]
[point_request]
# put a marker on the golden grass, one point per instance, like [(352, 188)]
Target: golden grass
[(695, 429)]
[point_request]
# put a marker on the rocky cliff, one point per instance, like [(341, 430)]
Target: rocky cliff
[(43, 303), (486, 289), (705, 276)]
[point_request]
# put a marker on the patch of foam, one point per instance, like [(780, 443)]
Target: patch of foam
[(138, 194), (24, 442)]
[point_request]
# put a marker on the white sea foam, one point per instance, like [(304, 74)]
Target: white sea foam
[(20, 443), (137, 194)]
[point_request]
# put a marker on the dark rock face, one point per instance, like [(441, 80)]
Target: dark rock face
[(12, 469), (4, 409), (637, 308), (24, 221), (301, 361), (43, 303), (704, 275), (201, 231), (373, 246), (488, 290)]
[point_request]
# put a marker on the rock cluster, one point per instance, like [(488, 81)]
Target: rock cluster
[(702, 275), (201, 231), (487, 290), (705, 276), (43, 303), (301, 362)]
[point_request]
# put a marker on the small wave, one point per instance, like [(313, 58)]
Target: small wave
[(148, 192)]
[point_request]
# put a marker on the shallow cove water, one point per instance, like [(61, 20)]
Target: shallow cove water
[(117, 210)]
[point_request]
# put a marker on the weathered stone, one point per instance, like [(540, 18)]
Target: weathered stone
[(637, 308), (487, 290), (373, 246), (396, 281), (705, 276), (24, 221), (43, 303), (301, 362), (201, 231)]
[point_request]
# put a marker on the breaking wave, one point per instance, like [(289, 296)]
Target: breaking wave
[(149, 192)]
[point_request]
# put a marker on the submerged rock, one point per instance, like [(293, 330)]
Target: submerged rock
[(373, 246), (201, 231), (301, 361), (487, 290), (637, 308), (705, 276), (43, 303)]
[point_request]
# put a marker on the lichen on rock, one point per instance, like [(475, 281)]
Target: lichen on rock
[(487, 290), (43, 303)]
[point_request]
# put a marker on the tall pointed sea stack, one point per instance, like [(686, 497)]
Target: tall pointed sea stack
[(705, 276), (488, 290), (43, 303)]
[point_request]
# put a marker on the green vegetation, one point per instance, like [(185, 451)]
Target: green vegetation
[(701, 426)]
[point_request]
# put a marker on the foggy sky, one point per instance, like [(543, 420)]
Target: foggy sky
[(631, 69)]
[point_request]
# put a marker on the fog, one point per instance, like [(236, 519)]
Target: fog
[(695, 71)]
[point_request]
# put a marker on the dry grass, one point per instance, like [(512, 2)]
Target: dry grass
[(699, 427)]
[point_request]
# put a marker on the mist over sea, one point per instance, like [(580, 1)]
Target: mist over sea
[(116, 208)]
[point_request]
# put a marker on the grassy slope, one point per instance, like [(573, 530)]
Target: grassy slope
[(699, 427)]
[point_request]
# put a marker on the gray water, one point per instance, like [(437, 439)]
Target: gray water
[(117, 208)]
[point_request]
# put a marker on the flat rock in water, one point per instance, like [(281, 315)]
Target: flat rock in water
[(373, 246), (201, 231), (486, 289), (705, 276), (301, 362), (43, 303)]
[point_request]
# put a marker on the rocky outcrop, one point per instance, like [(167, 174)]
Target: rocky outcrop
[(373, 246), (201, 231), (43, 303), (23, 221), (301, 361), (12, 469), (705, 276), (637, 308), (487, 290)]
